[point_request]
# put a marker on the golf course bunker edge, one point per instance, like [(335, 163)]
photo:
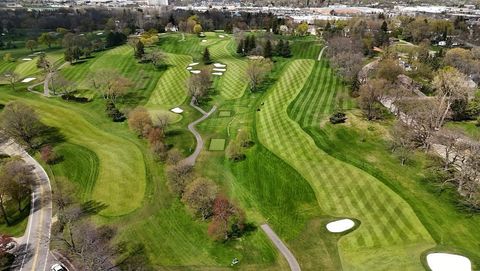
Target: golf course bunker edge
[(438, 261), (340, 225)]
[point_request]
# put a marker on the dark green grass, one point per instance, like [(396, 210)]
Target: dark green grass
[(79, 165), (306, 48)]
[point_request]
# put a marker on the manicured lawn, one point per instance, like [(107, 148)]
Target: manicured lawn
[(121, 170), (233, 83), (217, 144), (390, 230), (224, 113)]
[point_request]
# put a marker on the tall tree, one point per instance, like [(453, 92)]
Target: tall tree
[(20, 122), (47, 39), (256, 71), (140, 49), (199, 197), (206, 57), (31, 44), (11, 77), (268, 49)]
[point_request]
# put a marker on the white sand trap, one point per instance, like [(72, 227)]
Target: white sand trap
[(193, 64), (448, 262), (195, 71), (217, 73), (218, 65), (26, 59), (100, 33), (29, 79), (222, 36), (177, 110), (189, 68), (219, 70), (204, 40), (340, 225)]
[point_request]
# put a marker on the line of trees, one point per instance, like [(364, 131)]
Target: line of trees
[(250, 46), (205, 201)]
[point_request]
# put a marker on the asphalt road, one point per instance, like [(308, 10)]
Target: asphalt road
[(294, 266), (198, 148), (33, 248)]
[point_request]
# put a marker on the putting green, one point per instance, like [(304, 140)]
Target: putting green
[(390, 232), (217, 144)]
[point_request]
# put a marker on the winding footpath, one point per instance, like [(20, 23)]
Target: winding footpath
[(292, 262), (33, 248), (193, 157)]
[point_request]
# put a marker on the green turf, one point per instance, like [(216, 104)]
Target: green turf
[(390, 230), (224, 113), (121, 171), (233, 83), (217, 144)]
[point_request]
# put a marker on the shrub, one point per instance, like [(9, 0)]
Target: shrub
[(338, 118), (114, 113), (71, 97), (48, 154)]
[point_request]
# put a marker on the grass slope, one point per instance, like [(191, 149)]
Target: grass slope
[(121, 170), (390, 232), (171, 89), (233, 82)]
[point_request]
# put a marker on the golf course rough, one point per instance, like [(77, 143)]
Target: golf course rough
[(390, 233)]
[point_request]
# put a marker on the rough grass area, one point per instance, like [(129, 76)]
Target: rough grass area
[(217, 144)]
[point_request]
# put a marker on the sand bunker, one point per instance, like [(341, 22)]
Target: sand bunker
[(26, 59), (219, 70), (448, 262), (222, 36), (189, 68), (204, 40), (195, 71), (193, 64), (218, 65), (340, 225), (29, 79), (177, 110), (217, 73)]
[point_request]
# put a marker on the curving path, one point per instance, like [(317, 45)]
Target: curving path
[(292, 262), (193, 157), (321, 53), (33, 248)]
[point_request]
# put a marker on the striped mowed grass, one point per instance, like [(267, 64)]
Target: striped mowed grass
[(171, 89), (233, 83), (390, 233), (121, 167)]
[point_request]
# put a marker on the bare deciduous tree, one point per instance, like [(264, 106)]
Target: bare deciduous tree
[(21, 123), (370, 95), (199, 196), (11, 77), (256, 71)]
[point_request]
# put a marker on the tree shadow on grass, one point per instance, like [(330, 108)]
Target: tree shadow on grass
[(93, 207), (133, 98), (50, 136)]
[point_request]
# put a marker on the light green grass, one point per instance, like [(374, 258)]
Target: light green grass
[(390, 232), (171, 89), (217, 144), (233, 83), (224, 113), (121, 171)]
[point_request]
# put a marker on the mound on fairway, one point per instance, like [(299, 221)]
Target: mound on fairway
[(448, 262), (342, 189), (217, 144)]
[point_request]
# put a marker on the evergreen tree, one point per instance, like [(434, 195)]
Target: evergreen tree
[(140, 51), (384, 27), (268, 50), (247, 45), (279, 48), (241, 47), (286, 51), (206, 57), (253, 43)]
